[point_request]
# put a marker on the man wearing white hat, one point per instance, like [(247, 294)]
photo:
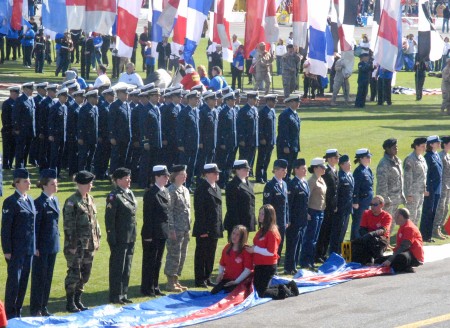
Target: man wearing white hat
[(7, 127), (23, 118), (57, 129), (288, 139)]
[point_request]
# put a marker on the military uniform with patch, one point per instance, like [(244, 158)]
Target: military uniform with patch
[(442, 209), (415, 177), (81, 240)]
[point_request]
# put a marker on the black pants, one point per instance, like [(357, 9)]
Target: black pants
[(72, 156), (262, 162), (44, 153), (248, 64), (205, 156), (205, 252), (363, 88), (338, 229), (294, 240), (152, 253), (11, 46), (132, 162), (119, 269), (27, 55), (105, 49), (225, 159), (188, 157), (116, 65), (86, 66), (221, 286), (248, 152), (288, 157), (373, 88), (9, 146), (101, 159), (34, 151), (169, 154), (402, 261), (420, 80), (263, 274), (325, 233), (41, 281), (309, 83), (22, 149), (39, 62), (384, 91), (85, 155), (236, 74), (56, 154), (118, 155), (369, 248)]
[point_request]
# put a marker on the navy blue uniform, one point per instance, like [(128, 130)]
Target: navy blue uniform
[(344, 209), (209, 119), (88, 133), (24, 127), (362, 195), (267, 138), (169, 115), (47, 243), (151, 136), (277, 196), (226, 143), (288, 137), (7, 133), (103, 152), (34, 147), (134, 154), (18, 239), (364, 74), (247, 132), (119, 125), (188, 136), (57, 128), (71, 148), (44, 146), (298, 215), (430, 202)]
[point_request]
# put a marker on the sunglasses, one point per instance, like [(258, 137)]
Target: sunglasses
[(374, 204)]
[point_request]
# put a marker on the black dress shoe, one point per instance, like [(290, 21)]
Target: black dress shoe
[(158, 292), (290, 272), (148, 293), (126, 300), (36, 314), (201, 284), (116, 300), (210, 283), (45, 313)]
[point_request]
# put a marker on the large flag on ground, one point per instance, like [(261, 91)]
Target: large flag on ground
[(386, 47), (254, 27), (127, 20), (430, 44), (300, 22), (221, 27), (197, 12), (179, 30), (167, 18), (271, 28), (54, 15), (317, 37)]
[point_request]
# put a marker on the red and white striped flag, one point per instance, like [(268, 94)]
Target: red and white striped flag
[(179, 30), (16, 15), (221, 27), (254, 27), (386, 48), (300, 22), (127, 20), (76, 12), (100, 16), (168, 15), (271, 27)]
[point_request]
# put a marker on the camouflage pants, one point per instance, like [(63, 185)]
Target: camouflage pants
[(259, 78), (338, 83), (288, 83), (445, 100), (415, 208), (442, 209), (176, 253), (79, 267)]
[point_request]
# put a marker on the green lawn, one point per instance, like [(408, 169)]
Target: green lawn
[(344, 128)]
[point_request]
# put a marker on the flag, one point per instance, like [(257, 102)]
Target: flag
[(179, 30), (254, 29), (76, 12), (221, 27), (300, 22), (167, 17), (347, 11), (330, 47), (5, 17), (377, 6), (430, 44), (271, 28), (127, 20), (100, 16), (197, 12), (386, 47), (317, 37), (54, 15), (16, 15), (155, 32)]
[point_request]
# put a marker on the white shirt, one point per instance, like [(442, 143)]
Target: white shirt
[(101, 80), (236, 45), (133, 79), (364, 45), (280, 50), (289, 41)]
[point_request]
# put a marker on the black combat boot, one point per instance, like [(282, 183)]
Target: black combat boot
[(70, 305), (78, 303)]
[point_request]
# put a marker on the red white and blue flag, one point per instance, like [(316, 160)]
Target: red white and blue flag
[(167, 18), (156, 34), (179, 30), (300, 22), (221, 27), (317, 37), (127, 20)]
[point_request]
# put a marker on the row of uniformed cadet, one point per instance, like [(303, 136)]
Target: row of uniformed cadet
[(64, 127)]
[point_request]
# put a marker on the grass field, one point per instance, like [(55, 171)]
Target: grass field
[(344, 128)]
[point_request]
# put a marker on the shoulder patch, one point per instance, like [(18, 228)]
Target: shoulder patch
[(5, 211), (266, 194), (111, 197), (70, 203), (109, 205)]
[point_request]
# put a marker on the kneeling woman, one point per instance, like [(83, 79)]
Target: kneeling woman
[(265, 257), (236, 263)]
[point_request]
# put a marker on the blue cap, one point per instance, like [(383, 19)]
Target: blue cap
[(298, 162), (21, 174), (48, 173), (344, 159), (281, 163)]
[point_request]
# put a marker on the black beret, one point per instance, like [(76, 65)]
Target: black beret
[(388, 143), (344, 159), (84, 177), (419, 141), (178, 168), (121, 173), (281, 163), (48, 173), (21, 173), (299, 162)]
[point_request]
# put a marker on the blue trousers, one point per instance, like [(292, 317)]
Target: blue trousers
[(248, 153), (262, 161), (41, 281), (430, 204), (149, 158), (101, 159), (23, 144), (225, 159), (118, 155), (16, 284), (56, 154), (189, 157), (205, 156), (357, 215), (338, 229), (288, 157), (294, 240), (85, 155), (311, 234)]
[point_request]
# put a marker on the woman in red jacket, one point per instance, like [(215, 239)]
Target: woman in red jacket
[(236, 263), (265, 257)]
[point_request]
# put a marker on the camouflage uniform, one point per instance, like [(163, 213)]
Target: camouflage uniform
[(341, 80), (289, 73), (180, 223), (390, 183), (445, 87), (415, 184), (442, 209), (81, 233), (263, 63)]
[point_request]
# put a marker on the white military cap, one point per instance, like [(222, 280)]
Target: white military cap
[(318, 161), (433, 139), (292, 98), (73, 86), (198, 87), (229, 95), (69, 82), (271, 96), (160, 170), (52, 87), (15, 88), (110, 91), (363, 152), (41, 85), (28, 85), (331, 153), (78, 93), (211, 168), (62, 92), (92, 93), (240, 164), (209, 94), (194, 93)]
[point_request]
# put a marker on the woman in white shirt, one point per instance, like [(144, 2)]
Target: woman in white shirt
[(280, 51), (364, 44)]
